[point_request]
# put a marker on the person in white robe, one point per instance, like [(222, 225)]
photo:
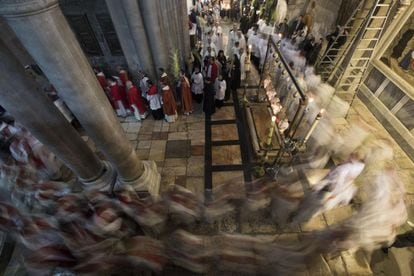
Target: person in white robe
[(334, 190), (231, 41)]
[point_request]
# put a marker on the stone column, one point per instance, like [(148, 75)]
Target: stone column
[(44, 31), (152, 16), (127, 19), (38, 114), (184, 35)]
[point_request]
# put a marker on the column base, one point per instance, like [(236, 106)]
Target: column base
[(104, 182), (148, 182)]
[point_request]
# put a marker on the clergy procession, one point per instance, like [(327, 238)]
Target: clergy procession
[(64, 230)]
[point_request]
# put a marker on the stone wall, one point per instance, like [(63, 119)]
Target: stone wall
[(326, 13)]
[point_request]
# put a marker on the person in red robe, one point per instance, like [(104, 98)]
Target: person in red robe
[(136, 102), (102, 80), (122, 80), (117, 98), (104, 84), (154, 101), (168, 104), (186, 100)]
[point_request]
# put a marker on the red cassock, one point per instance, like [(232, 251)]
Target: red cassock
[(134, 97), (102, 81), (123, 76), (116, 94), (214, 72)]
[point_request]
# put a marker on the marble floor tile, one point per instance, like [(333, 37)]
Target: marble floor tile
[(143, 153), (197, 137), (157, 151), (195, 126), (180, 180), (226, 155), (175, 162), (159, 135), (144, 144), (224, 132), (195, 166), (224, 113), (144, 136), (178, 127), (178, 136), (220, 178), (178, 149), (174, 171), (196, 185), (147, 127), (132, 136), (197, 150)]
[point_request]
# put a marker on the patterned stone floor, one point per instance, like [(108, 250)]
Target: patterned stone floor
[(200, 153)]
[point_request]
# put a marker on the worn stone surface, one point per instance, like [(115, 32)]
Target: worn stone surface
[(178, 149)]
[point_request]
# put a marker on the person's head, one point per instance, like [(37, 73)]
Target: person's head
[(112, 80), (182, 72), (234, 26), (128, 84), (239, 33), (196, 70), (220, 77), (237, 44), (221, 53), (149, 83)]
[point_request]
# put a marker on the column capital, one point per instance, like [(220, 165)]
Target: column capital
[(21, 8)]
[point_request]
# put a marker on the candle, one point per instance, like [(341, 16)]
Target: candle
[(271, 131), (249, 53), (315, 123)]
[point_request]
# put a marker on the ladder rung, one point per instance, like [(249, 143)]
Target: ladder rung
[(372, 28), (369, 39), (378, 17), (352, 76), (382, 5), (361, 59), (357, 67), (364, 49)]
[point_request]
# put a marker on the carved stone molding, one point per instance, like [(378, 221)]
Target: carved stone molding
[(20, 8)]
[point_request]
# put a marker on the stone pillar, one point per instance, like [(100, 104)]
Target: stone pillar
[(38, 114), (152, 16), (10, 39), (43, 30), (127, 19), (184, 35)]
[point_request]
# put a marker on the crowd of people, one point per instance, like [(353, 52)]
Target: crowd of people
[(94, 232)]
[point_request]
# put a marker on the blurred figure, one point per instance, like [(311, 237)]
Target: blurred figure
[(197, 85), (168, 103), (154, 101), (136, 102), (336, 189)]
